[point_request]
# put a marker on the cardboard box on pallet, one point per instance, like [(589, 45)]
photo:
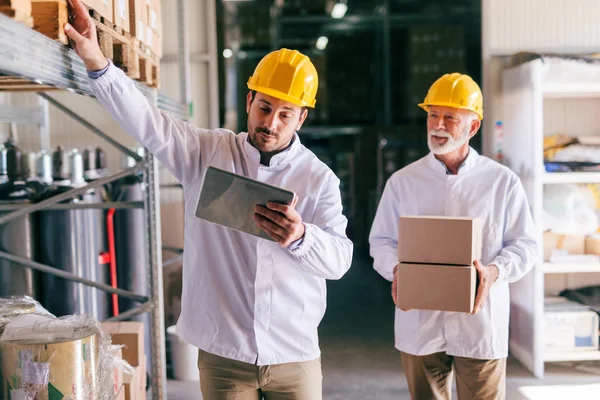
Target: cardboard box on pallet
[(138, 19), (103, 8), (121, 15), (131, 336), (154, 31)]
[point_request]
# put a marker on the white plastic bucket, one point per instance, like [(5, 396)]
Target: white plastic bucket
[(184, 358)]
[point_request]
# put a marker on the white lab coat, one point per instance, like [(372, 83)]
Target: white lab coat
[(243, 297), (482, 188)]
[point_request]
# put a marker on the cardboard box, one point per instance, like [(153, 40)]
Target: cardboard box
[(439, 240), (436, 287), (155, 16), (121, 14), (117, 353), (571, 244), (569, 326), (130, 335), (138, 19), (135, 385), (121, 394), (103, 7), (592, 244)]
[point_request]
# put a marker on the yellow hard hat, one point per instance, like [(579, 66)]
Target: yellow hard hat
[(287, 75), (455, 90)]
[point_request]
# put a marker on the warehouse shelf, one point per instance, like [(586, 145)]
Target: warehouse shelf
[(34, 62), (566, 90), (564, 268), (590, 355), (528, 85), (570, 177), (22, 115), (27, 54)]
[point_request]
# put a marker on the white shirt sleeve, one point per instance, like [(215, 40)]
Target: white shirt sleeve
[(520, 250), (383, 238), (178, 145), (326, 251)]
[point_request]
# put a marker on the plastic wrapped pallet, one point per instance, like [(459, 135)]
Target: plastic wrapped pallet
[(10, 308), (45, 357), (13, 306)]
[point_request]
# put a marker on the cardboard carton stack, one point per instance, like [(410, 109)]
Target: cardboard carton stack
[(145, 24), (436, 257), (131, 336)]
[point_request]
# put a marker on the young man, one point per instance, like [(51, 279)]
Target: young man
[(453, 180), (250, 305)]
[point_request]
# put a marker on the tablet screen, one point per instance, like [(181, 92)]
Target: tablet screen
[(229, 199)]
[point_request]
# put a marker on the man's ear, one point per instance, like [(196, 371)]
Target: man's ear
[(249, 99), (303, 115)]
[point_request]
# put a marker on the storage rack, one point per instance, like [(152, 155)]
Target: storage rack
[(32, 56), (534, 92)]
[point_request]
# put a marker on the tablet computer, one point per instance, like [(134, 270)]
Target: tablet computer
[(229, 199)]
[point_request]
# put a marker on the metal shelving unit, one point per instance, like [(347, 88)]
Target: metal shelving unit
[(27, 54)]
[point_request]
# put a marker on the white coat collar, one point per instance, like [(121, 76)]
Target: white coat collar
[(277, 160), (440, 167)]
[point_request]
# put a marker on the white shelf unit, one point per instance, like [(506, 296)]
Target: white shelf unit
[(555, 268), (531, 92)]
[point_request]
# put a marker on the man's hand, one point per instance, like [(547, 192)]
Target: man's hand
[(395, 289), (487, 276), (280, 221), (84, 39)]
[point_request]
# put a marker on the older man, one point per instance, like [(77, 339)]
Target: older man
[(453, 180)]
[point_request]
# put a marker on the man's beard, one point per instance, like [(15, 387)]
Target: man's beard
[(451, 143)]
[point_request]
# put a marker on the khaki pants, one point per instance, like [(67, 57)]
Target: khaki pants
[(430, 377), (226, 379)]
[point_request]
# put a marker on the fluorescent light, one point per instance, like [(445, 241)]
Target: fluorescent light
[(339, 10), (322, 42), (227, 53)]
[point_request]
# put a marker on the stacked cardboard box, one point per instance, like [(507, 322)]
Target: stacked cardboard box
[(130, 335), (104, 9), (145, 24), (436, 257), (121, 15), (154, 27)]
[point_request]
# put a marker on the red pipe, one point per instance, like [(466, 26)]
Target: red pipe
[(110, 229)]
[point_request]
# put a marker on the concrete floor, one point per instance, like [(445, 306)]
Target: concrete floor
[(360, 362)]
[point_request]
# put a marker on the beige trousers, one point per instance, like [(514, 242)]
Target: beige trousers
[(430, 377), (225, 379)]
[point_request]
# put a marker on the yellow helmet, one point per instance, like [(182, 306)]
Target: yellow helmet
[(455, 90), (287, 75)]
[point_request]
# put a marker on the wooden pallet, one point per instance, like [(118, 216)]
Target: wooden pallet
[(17, 15), (14, 84), (50, 17), (149, 66), (126, 52)]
